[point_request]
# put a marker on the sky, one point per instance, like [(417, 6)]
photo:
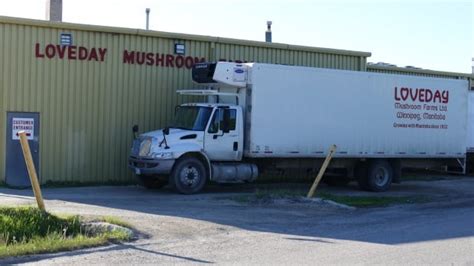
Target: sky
[(431, 34)]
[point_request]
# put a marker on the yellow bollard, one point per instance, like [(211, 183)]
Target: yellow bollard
[(31, 169), (332, 150)]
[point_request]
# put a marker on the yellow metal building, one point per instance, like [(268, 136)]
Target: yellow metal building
[(88, 85), (420, 72)]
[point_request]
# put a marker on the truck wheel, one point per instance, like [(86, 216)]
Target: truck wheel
[(188, 176), (380, 176), (151, 182)]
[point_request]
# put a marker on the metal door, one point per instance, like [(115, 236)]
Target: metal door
[(16, 172)]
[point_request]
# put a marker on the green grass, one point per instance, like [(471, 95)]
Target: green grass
[(369, 201), (279, 193), (267, 195), (21, 224), (27, 230), (428, 177), (61, 184), (115, 220)]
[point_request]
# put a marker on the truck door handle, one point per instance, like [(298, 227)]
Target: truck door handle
[(236, 145)]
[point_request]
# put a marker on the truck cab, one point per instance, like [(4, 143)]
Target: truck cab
[(204, 142)]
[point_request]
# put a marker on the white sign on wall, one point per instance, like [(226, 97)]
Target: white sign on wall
[(23, 124)]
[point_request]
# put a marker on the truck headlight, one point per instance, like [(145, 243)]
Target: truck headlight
[(145, 146), (162, 155)]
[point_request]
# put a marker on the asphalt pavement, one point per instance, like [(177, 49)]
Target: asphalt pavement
[(213, 227)]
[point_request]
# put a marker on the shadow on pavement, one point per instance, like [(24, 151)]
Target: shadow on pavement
[(452, 217), (34, 258)]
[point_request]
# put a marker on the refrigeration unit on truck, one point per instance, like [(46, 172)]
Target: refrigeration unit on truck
[(260, 117)]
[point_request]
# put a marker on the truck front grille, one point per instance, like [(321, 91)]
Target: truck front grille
[(142, 164)]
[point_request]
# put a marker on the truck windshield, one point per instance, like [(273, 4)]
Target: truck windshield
[(192, 117)]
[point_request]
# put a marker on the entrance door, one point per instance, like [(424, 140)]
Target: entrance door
[(16, 172)]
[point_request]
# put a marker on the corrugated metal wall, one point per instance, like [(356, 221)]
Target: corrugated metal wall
[(288, 56), (418, 72), (423, 73), (87, 108)]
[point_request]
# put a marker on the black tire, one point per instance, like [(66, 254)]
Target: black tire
[(189, 176), (151, 182), (380, 176)]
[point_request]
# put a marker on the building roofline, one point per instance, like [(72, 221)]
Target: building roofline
[(171, 35), (422, 71)]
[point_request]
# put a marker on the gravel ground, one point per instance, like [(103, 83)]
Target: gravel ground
[(213, 228)]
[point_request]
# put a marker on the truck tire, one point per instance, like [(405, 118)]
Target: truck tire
[(151, 182), (380, 176), (188, 176)]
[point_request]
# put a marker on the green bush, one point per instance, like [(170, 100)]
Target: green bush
[(20, 225)]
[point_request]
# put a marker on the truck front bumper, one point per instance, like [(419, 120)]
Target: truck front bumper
[(146, 166)]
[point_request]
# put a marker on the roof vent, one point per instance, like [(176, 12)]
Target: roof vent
[(54, 10), (268, 33), (147, 11)]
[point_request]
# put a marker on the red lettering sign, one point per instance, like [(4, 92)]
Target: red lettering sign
[(83, 53), (70, 52), (156, 59), (421, 95)]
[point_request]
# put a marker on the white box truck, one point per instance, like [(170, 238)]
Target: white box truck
[(262, 116)]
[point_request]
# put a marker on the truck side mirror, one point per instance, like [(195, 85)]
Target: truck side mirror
[(135, 131)]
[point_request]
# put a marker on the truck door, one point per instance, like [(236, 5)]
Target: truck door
[(223, 138)]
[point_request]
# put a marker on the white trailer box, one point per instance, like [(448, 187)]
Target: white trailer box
[(301, 112), (273, 118), (470, 123)]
